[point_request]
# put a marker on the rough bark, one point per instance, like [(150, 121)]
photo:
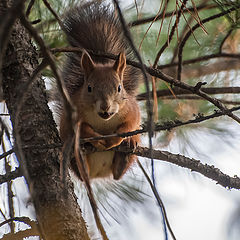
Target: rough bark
[(58, 214)]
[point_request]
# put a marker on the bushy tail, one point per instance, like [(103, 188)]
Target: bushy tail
[(95, 26)]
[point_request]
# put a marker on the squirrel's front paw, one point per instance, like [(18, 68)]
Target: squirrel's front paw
[(100, 145), (132, 142)]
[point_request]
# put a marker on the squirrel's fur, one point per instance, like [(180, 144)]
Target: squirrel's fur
[(95, 26), (102, 90)]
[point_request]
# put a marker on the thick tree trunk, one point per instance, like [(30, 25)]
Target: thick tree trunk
[(58, 215)]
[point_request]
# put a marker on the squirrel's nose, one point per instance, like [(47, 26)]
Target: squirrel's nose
[(104, 107)]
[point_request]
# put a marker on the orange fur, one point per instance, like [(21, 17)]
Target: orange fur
[(104, 107), (103, 90)]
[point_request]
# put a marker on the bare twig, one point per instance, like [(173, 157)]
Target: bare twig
[(5, 154), (163, 17), (202, 58), (224, 39), (54, 14), (159, 11), (194, 165), (65, 158), (169, 14), (25, 220), (29, 7), (3, 214), (5, 128), (133, 63), (166, 126), (186, 27), (159, 200), (26, 147), (81, 164), (182, 44), (10, 194), (179, 91), (191, 97), (174, 27), (192, 89), (10, 176), (20, 235), (136, 6)]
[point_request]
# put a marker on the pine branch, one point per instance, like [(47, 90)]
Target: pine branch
[(20, 235), (194, 165), (191, 97), (25, 220), (192, 89), (170, 36), (10, 176), (169, 14), (189, 33), (179, 91), (10, 194), (202, 58)]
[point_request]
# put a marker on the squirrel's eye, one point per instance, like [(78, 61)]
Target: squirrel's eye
[(89, 89), (119, 88)]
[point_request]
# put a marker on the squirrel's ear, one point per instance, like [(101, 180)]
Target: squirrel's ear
[(87, 63), (120, 64)]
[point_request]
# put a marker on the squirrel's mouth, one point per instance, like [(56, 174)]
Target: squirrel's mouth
[(105, 115)]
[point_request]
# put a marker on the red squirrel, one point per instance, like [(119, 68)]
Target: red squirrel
[(103, 90)]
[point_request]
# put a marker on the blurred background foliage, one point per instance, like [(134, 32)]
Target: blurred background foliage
[(172, 107)]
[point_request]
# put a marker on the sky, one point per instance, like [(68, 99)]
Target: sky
[(197, 208)]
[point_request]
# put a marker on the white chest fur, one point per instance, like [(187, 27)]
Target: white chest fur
[(100, 163), (100, 125)]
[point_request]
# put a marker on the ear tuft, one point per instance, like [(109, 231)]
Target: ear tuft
[(87, 63), (120, 64)]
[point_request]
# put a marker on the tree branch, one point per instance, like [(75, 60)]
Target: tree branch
[(170, 36), (169, 14), (20, 234), (194, 165), (25, 220), (10, 176), (200, 59), (159, 200), (196, 26), (192, 89), (179, 91)]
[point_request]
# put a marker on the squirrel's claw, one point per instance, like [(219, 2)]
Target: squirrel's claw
[(100, 145), (131, 142)]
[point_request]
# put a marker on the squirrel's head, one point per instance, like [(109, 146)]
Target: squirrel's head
[(103, 85)]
